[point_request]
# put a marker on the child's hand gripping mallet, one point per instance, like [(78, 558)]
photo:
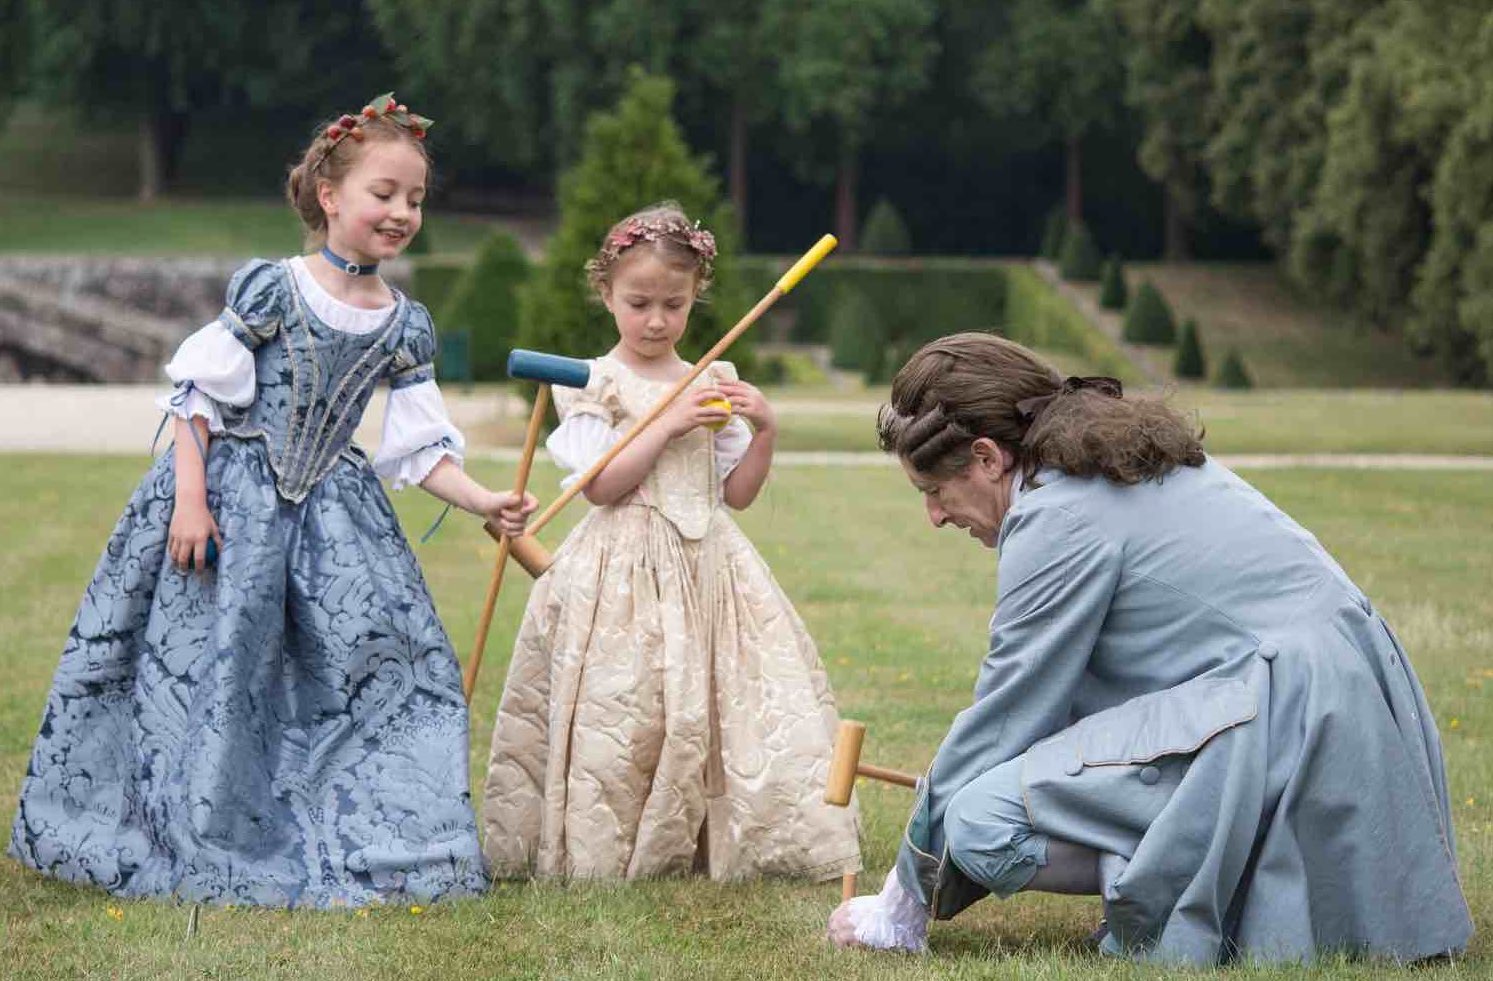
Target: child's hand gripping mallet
[(844, 766), (527, 550), (548, 369)]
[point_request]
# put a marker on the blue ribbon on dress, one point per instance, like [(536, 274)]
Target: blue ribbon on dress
[(179, 400), (426, 537)]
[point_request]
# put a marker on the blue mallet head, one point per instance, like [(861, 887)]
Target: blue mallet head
[(551, 369)]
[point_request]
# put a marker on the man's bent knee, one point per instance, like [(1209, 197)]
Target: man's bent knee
[(990, 839)]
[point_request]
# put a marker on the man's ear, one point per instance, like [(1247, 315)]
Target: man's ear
[(992, 457)]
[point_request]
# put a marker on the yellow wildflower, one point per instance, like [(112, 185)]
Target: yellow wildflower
[(416, 910), (115, 913)]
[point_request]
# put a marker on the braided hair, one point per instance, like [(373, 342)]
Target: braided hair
[(960, 388)]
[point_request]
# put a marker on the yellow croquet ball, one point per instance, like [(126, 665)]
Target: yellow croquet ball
[(720, 404)]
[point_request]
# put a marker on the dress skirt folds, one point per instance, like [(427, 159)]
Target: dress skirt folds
[(286, 730)]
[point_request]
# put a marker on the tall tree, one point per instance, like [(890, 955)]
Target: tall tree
[(1167, 83), (1060, 68), (632, 156), (484, 64), (160, 63), (1369, 223), (1278, 68), (731, 58), (841, 65), (15, 46), (1453, 293)]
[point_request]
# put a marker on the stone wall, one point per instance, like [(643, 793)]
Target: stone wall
[(105, 318)]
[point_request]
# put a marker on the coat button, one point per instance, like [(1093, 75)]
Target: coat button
[(1268, 651), (1149, 775), (1074, 767)]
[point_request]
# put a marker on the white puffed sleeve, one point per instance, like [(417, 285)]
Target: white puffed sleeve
[(211, 368), (578, 442), (892, 920), (417, 434), (731, 445)]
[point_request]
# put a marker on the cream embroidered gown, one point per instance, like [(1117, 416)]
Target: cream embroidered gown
[(665, 709)]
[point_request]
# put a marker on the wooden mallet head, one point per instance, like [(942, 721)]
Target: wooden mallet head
[(551, 369), (844, 762)]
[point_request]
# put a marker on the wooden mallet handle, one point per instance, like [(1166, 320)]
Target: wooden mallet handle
[(548, 370), (844, 766), (525, 463)]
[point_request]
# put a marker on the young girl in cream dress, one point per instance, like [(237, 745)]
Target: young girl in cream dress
[(665, 710)]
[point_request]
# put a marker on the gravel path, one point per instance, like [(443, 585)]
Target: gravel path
[(120, 419)]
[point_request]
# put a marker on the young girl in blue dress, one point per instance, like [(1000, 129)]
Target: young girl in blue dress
[(257, 703)]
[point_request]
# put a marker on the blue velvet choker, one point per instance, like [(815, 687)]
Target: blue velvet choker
[(351, 268)]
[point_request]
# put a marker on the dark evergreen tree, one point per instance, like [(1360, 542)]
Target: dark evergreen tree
[(1113, 293), (1148, 319), (484, 305), (1080, 260), (1232, 373), (1189, 362), (633, 156), (885, 232)]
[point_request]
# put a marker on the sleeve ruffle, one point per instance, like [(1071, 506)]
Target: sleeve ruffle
[(578, 442), (211, 368), (417, 434), (891, 920)]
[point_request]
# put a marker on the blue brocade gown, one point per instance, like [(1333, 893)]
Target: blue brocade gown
[(290, 730)]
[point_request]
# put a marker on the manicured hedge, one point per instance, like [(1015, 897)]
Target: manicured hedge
[(1036, 316)]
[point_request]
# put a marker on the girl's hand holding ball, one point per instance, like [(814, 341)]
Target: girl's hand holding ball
[(748, 402)]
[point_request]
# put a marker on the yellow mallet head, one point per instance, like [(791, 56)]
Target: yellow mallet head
[(717, 404)]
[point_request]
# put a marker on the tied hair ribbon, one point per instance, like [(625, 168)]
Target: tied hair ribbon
[(1031, 409)]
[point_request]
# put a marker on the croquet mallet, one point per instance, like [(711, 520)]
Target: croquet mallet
[(547, 369), (527, 550), (844, 766)]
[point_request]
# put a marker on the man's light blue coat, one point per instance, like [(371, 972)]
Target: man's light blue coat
[(1201, 691)]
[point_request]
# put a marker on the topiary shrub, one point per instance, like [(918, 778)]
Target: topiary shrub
[(631, 157), (1080, 260), (1112, 291), (1148, 319), (858, 331), (1232, 373), (1189, 362), (484, 304), (885, 233), (1054, 230)]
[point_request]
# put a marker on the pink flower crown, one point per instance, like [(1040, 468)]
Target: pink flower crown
[(653, 228)]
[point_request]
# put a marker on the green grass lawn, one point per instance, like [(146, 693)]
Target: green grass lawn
[(899, 612)]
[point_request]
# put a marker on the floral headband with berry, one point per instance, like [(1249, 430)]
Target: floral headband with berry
[(380, 107), (651, 228)]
